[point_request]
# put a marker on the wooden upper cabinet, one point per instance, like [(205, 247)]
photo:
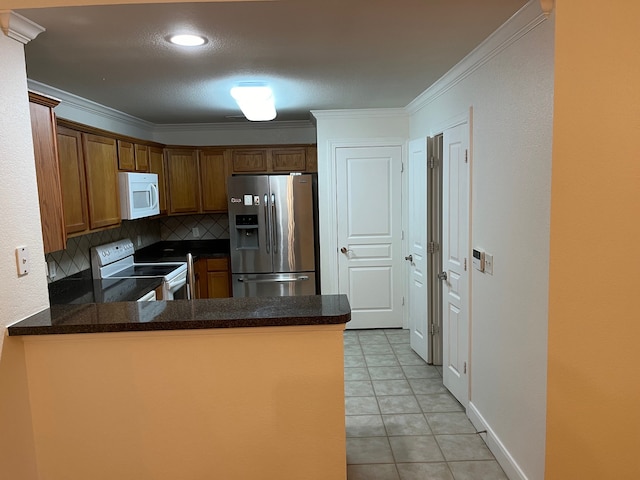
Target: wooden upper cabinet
[(213, 176), (142, 158), (183, 181), (126, 156), (274, 159), (249, 160), (156, 165), (101, 166), (43, 125), (72, 177), (289, 159)]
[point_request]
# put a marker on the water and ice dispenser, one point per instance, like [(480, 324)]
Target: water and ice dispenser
[(247, 232)]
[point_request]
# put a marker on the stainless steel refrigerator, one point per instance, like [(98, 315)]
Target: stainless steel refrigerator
[(271, 225)]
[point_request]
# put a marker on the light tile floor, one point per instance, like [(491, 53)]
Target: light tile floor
[(402, 424)]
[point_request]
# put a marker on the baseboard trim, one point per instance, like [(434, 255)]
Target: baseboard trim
[(503, 457)]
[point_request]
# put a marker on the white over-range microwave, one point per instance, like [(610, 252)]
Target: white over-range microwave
[(138, 195)]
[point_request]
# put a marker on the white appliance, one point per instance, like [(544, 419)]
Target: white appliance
[(115, 260), (138, 195)]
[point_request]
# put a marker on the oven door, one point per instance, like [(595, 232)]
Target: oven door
[(175, 289)]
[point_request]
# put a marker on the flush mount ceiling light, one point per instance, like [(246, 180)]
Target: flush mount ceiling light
[(187, 40), (255, 101)]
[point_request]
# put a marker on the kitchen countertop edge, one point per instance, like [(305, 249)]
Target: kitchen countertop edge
[(186, 315)]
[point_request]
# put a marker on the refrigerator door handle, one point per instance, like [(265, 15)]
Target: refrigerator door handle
[(300, 278), (266, 223), (275, 223)]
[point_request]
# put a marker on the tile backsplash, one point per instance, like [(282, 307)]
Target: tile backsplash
[(76, 256), (195, 227)]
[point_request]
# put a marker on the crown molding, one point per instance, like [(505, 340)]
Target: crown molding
[(202, 127), (18, 27), (521, 23), (360, 113), (82, 104)]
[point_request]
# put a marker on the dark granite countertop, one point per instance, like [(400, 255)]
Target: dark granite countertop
[(186, 315), (82, 288), (176, 251)]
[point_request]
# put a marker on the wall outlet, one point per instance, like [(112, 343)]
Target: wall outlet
[(196, 232), (53, 269)]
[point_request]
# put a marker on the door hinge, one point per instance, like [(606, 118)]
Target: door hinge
[(434, 329), (433, 247), (402, 235), (433, 163), (465, 367), (401, 167), (465, 264), (402, 300), (466, 156)]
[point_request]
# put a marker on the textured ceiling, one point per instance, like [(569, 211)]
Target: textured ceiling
[(315, 54)]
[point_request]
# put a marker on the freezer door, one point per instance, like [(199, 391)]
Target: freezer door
[(274, 285), (291, 210), (249, 222)]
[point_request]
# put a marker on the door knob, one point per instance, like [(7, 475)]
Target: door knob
[(344, 250), (410, 258), (442, 276)]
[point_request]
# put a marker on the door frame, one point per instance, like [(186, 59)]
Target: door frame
[(327, 195)]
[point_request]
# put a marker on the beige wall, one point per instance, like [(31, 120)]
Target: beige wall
[(593, 397), (19, 296), (232, 404), (512, 99)]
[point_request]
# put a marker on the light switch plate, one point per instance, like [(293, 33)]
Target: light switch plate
[(488, 263), (22, 260)]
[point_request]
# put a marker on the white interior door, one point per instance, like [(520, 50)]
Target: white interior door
[(368, 199), (455, 262), (417, 247)]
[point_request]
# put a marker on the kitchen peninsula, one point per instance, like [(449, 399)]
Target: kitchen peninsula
[(233, 388)]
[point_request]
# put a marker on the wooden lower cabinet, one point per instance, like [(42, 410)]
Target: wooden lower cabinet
[(43, 129), (101, 167), (213, 278)]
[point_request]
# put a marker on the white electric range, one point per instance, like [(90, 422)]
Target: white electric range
[(115, 260)]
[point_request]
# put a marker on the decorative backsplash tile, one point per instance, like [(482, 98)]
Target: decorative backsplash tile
[(76, 258), (195, 227)]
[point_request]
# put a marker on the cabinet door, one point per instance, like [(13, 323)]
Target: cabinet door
[(142, 158), (101, 166), (213, 180), (156, 165), (218, 284), (182, 180), (72, 179), (126, 156), (47, 173), (312, 159), (218, 279), (249, 160), (288, 159)]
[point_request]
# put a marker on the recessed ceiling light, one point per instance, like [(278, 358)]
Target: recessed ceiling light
[(187, 40)]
